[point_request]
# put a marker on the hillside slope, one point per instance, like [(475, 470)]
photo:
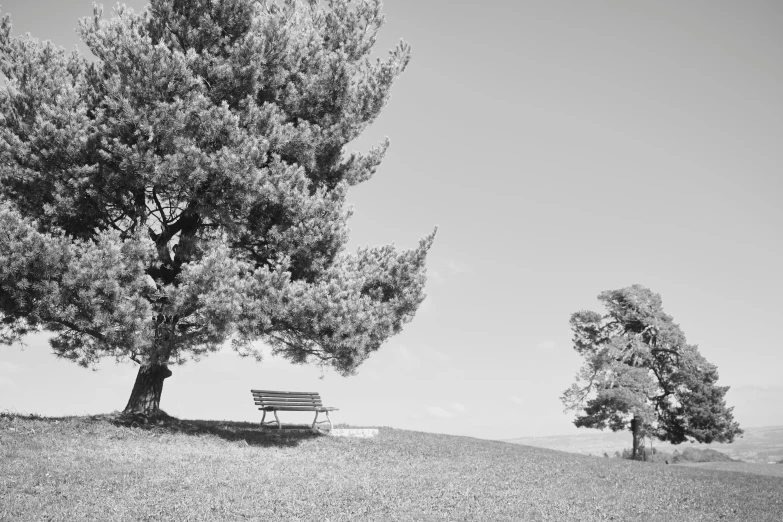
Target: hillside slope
[(91, 469)]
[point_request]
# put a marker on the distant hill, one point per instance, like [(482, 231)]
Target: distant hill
[(757, 444)]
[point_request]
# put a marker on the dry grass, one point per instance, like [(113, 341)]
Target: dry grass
[(97, 469)]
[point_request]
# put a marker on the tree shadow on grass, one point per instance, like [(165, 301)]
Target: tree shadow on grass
[(242, 433), (239, 433)]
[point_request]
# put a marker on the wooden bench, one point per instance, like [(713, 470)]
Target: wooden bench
[(275, 401)]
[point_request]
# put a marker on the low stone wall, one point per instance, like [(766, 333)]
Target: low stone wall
[(336, 432), (354, 432)]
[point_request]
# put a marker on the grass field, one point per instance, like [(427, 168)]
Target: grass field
[(92, 469)]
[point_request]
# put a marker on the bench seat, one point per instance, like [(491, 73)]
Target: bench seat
[(274, 401)]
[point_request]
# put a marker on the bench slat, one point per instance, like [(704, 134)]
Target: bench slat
[(280, 393), (287, 403), (291, 398), (304, 396), (287, 398), (295, 408), (274, 401)]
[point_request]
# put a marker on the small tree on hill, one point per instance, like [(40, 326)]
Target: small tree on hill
[(641, 374), (188, 187)]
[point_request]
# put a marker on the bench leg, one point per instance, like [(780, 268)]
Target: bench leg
[(315, 421), (277, 420)]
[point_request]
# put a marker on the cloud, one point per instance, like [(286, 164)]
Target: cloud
[(8, 367), (449, 373), (451, 269), (430, 355), (406, 357), (370, 375), (454, 408), (457, 407), (439, 356), (421, 356), (436, 277), (517, 400), (457, 267), (439, 412)]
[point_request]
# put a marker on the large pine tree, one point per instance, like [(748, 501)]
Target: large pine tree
[(187, 187), (640, 374)]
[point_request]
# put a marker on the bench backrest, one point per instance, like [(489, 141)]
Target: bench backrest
[(293, 401)]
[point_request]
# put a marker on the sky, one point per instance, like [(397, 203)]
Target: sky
[(563, 149)]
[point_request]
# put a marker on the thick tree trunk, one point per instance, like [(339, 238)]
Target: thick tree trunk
[(635, 431), (145, 397)]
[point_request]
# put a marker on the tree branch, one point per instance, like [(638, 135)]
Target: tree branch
[(88, 331), (163, 220), (666, 350)]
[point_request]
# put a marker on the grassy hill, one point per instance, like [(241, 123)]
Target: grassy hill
[(94, 469)]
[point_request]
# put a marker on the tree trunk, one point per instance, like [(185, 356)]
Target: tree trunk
[(145, 397), (635, 431)]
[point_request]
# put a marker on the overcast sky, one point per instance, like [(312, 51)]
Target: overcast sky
[(564, 148)]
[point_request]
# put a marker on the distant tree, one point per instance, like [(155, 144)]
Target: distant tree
[(640, 374), (187, 187)]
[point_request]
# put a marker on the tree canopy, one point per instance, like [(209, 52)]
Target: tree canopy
[(188, 186), (640, 374)]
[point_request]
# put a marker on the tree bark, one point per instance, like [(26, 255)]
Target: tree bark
[(145, 397), (635, 432)]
